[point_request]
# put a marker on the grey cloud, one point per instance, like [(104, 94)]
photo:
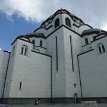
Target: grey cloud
[(92, 12)]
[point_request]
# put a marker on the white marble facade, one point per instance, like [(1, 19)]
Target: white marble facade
[(61, 58)]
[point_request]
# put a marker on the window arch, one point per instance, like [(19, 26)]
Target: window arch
[(101, 48), (68, 22), (24, 50), (57, 23)]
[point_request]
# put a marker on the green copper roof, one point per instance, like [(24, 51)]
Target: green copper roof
[(91, 31), (34, 34), (62, 10)]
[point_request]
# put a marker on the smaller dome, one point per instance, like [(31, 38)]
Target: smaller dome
[(83, 28)]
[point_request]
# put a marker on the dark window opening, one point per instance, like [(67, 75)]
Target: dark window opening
[(57, 23), (101, 48), (72, 53), (68, 22), (56, 55), (24, 50), (86, 41), (75, 85), (33, 41), (20, 86), (40, 43)]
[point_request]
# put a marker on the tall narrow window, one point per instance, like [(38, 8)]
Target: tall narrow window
[(24, 50), (68, 22), (56, 55), (25, 53), (20, 87), (33, 41), (57, 23), (40, 43), (71, 53), (100, 51), (101, 48), (86, 41)]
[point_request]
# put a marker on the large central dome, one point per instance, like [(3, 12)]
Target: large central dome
[(62, 11)]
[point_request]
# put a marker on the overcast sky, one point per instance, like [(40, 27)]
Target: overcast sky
[(22, 16)]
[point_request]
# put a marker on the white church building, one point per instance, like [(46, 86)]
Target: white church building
[(62, 59)]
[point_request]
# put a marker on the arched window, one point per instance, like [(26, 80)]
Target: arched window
[(24, 50), (40, 43), (101, 48), (57, 23), (75, 85), (68, 22), (33, 41), (86, 41)]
